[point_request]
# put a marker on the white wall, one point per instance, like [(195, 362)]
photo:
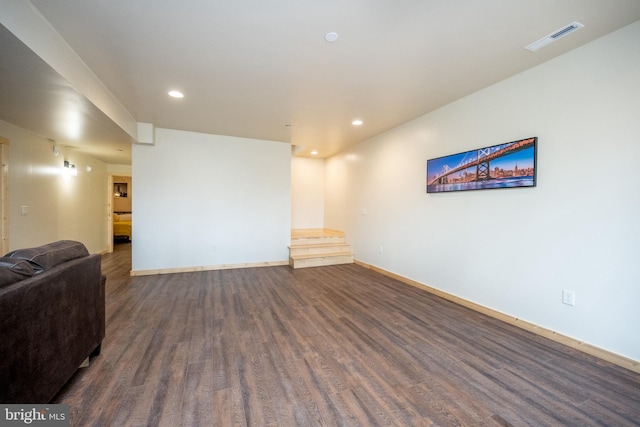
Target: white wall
[(207, 200), (307, 192), (515, 250), (73, 208), (119, 169)]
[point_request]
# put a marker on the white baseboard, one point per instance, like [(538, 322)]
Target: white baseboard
[(206, 268)]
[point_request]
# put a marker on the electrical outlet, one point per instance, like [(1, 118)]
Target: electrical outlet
[(380, 249), (568, 297)]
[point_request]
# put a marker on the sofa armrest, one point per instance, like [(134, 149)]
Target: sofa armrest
[(49, 324)]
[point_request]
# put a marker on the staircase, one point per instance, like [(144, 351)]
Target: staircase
[(315, 247)]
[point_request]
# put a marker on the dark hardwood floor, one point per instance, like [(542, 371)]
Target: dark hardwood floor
[(327, 346)]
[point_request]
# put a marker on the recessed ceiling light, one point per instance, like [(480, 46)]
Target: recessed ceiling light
[(331, 37), (314, 153), (357, 122), (176, 94)]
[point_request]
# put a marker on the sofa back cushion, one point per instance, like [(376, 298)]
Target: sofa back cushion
[(47, 256), (14, 270)]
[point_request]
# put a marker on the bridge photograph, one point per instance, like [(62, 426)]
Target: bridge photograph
[(506, 165)]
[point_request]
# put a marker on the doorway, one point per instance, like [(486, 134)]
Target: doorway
[(120, 211)]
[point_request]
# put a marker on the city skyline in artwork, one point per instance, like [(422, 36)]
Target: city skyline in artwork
[(508, 165)]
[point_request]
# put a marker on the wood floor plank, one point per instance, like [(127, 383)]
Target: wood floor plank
[(167, 401), (257, 403), (312, 394), (355, 412), (609, 413), (196, 407), (543, 407), (326, 346), (228, 409), (225, 374)]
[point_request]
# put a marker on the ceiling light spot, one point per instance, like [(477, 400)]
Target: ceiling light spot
[(331, 37), (314, 153), (176, 94), (357, 122)]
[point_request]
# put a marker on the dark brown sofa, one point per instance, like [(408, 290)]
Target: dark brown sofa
[(52, 317)]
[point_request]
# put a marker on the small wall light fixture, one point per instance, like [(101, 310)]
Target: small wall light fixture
[(54, 146), (70, 169)]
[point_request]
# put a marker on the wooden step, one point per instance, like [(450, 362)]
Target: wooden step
[(315, 236), (335, 258), (317, 240), (317, 247), (315, 232)]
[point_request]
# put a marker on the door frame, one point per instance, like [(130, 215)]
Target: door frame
[(110, 182), (4, 195)]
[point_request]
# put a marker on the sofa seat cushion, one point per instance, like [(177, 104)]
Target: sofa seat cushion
[(13, 270), (47, 256)]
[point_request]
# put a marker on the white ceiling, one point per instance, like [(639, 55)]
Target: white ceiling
[(35, 97), (249, 68)]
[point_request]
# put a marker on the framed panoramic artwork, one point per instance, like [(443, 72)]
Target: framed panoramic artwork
[(508, 165)]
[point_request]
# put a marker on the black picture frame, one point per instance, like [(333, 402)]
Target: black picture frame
[(120, 189), (507, 165)]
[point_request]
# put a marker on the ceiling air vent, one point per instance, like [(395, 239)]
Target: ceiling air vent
[(564, 31)]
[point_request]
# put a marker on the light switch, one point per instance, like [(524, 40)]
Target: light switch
[(24, 210)]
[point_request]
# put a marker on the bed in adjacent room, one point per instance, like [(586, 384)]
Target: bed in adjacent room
[(122, 225)]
